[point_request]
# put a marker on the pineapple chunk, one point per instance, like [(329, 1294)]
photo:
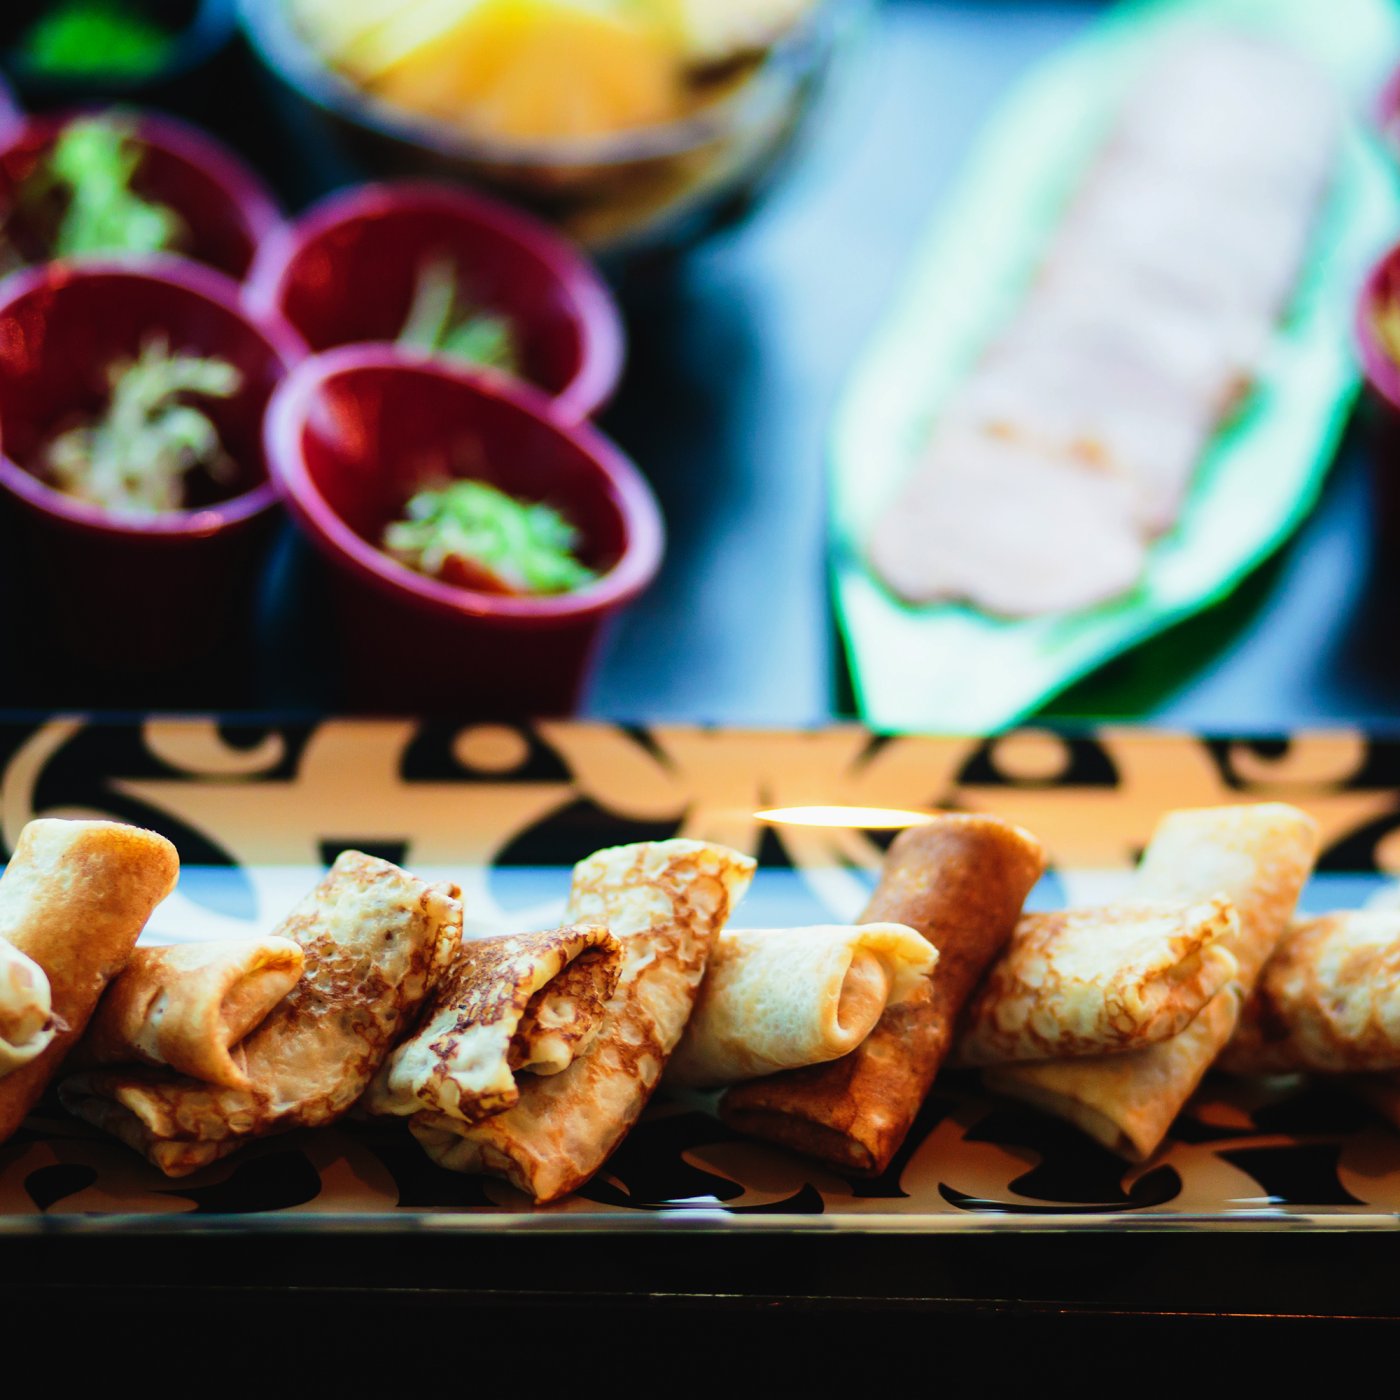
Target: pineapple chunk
[(710, 32)]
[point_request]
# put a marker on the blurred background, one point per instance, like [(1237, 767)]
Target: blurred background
[(751, 283)]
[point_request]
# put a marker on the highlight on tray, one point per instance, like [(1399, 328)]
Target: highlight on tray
[(627, 124), (529, 1056)]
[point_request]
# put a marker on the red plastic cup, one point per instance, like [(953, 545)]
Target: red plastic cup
[(1381, 405), (352, 433), (345, 272), (226, 208), (133, 592)]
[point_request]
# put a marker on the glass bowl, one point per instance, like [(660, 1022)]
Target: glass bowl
[(639, 190)]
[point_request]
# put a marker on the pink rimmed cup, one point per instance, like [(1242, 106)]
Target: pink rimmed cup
[(353, 433), (133, 592), (1381, 405), (345, 272), (226, 209)]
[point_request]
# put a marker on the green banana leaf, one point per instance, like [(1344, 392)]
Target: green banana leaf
[(950, 668)]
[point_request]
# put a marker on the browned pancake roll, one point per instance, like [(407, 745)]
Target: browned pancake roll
[(960, 881), (524, 1003), (1328, 1001), (74, 898), (188, 1006), (376, 940), (1258, 857), (665, 902), (1100, 981)]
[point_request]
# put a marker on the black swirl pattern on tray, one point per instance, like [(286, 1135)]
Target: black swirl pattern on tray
[(1300, 1146)]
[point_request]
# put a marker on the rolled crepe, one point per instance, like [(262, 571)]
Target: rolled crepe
[(188, 1006), (1100, 981), (74, 899), (27, 1023), (1328, 1001), (529, 1003), (666, 902), (375, 940), (775, 999), (1258, 857), (959, 881)]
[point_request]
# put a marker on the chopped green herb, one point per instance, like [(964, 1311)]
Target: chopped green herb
[(95, 37), (91, 165), (469, 532), (135, 458), (439, 319)]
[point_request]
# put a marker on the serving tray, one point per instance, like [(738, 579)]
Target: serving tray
[(258, 809)]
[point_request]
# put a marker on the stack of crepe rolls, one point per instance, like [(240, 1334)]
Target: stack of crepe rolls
[(665, 903), (1100, 981), (776, 999), (73, 901), (188, 1007), (375, 940), (1258, 858), (959, 881), (526, 1004)]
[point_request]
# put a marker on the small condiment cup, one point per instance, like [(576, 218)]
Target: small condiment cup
[(352, 434), (133, 592), (346, 272), (1381, 391), (226, 208)]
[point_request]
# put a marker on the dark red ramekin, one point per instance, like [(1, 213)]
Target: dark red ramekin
[(225, 206), (353, 432), (345, 273), (122, 591), (1381, 392), (10, 114)]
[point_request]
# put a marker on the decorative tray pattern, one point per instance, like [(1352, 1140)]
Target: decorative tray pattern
[(256, 810)]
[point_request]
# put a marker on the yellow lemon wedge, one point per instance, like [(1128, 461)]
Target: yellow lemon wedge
[(519, 69)]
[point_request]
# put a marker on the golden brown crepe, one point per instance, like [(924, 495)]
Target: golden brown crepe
[(1100, 981), (1328, 1001), (775, 999), (188, 1006), (666, 902), (376, 940), (26, 1009), (959, 881), (74, 898), (1258, 857), (1126, 1102), (527, 1003)]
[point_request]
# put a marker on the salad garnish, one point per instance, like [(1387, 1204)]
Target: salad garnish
[(136, 458), (473, 534)]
